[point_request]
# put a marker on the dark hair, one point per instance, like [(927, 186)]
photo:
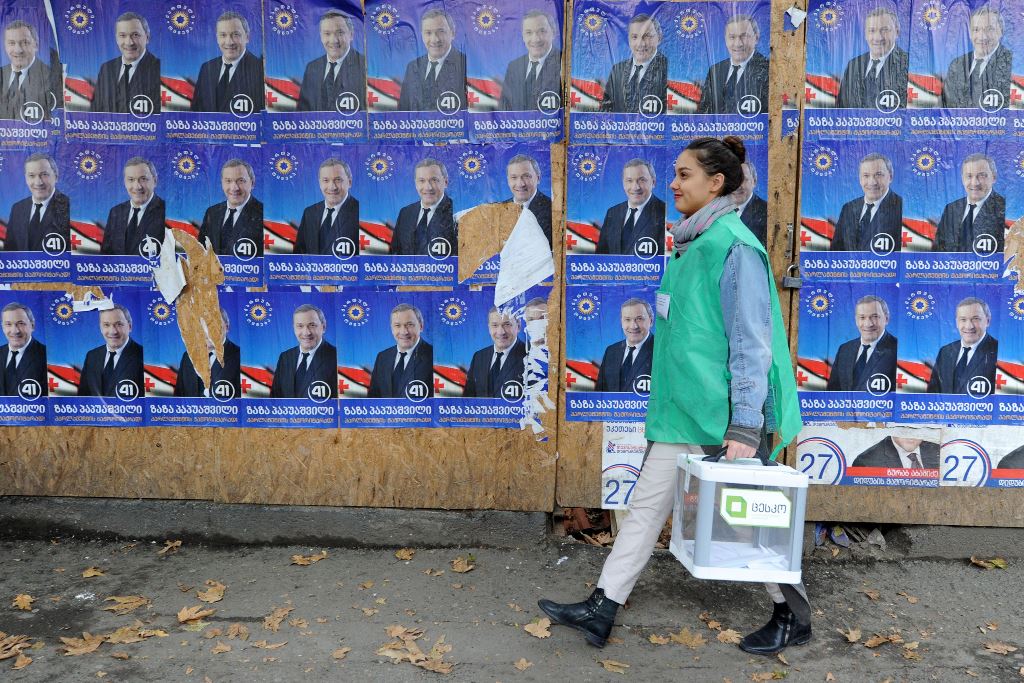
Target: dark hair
[(725, 156)]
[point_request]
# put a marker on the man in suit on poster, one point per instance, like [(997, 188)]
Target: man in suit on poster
[(189, 383), (641, 216), (335, 217), (119, 358), (341, 68), (536, 72), (873, 352), (879, 211), (235, 72), (441, 70), (972, 355), (644, 74), (744, 73), (986, 68), (410, 360), (981, 211), (136, 71), (523, 175), (498, 363), (130, 223), (626, 360), (883, 67), (313, 360), (25, 78), (24, 357), (240, 217), (45, 211), (1014, 460), (752, 209), (900, 452), (430, 218)]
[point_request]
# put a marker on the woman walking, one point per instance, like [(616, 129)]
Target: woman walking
[(721, 379)]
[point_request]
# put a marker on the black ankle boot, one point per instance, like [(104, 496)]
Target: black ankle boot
[(780, 631), (594, 616)]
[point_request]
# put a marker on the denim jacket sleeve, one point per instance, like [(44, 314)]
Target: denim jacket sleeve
[(746, 311)]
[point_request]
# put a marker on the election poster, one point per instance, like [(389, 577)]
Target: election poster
[(214, 192), (417, 89), (23, 378), (991, 457), (892, 455), (480, 358), (640, 68), (616, 230), (311, 226), (966, 55), (386, 360), (112, 84), (622, 457), (1009, 384), (31, 101), (95, 359), (851, 212), (846, 363), (211, 70), (514, 62), (962, 196), (949, 346), (858, 57), (176, 396), (118, 210), (289, 359), (609, 349), (36, 217), (316, 71)]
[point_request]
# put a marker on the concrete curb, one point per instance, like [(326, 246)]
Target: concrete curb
[(219, 523)]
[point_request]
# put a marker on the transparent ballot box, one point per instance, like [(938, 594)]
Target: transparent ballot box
[(739, 520)]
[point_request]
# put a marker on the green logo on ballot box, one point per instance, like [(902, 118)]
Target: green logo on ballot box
[(747, 507)]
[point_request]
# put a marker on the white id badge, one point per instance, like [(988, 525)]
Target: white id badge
[(662, 302)]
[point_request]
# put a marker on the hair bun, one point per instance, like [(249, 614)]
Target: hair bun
[(735, 144)]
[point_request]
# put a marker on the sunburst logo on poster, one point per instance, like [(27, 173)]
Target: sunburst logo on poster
[(471, 165), (258, 312), (690, 24), (823, 161), (453, 311), (384, 19), (586, 305), (88, 165), (380, 166), (160, 313), (925, 162), (593, 22), (920, 305), (180, 19), (819, 303), (1015, 304), (284, 165), (829, 16), (933, 15), (79, 19), (357, 312), (486, 20), (62, 311), (186, 165), (587, 166), (284, 20)]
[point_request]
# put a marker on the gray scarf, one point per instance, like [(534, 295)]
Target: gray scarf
[(687, 229)]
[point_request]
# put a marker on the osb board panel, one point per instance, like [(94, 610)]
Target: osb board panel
[(953, 506), (579, 443), (416, 468)]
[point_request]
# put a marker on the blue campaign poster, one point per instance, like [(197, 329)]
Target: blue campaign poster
[(23, 359), (316, 71), (31, 111)]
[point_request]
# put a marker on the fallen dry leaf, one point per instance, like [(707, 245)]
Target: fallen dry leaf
[(999, 647), (433, 572), (212, 633), (659, 640), (272, 622), (366, 585), (992, 625), (123, 604), (539, 628), (306, 560), (298, 623), (214, 591), (74, 647), (994, 563), (23, 602), (910, 652), (457, 586), (768, 676), (910, 598), (169, 547), (852, 635), (871, 593), (522, 664), (341, 653), (829, 678), (220, 648), (369, 611), (730, 636), (514, 607), (613, 666), (264, 645), (91, 572), (193, 614), (461, 565), (688, 638), (405, 553), (101, 674), (875, 641), (240, 631), (121, 655), (21, 662)]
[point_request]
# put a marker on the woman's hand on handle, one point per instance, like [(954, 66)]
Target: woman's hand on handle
[(735, 450)]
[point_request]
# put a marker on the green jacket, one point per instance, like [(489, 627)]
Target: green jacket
[(689, 401)]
